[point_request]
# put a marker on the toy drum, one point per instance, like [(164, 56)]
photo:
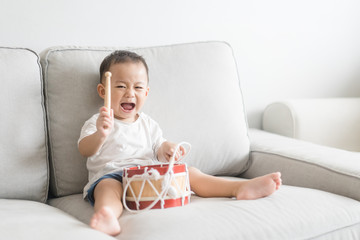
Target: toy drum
[(156, 186)]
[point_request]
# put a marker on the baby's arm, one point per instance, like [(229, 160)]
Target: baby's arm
[(166, 151), (91, 144)]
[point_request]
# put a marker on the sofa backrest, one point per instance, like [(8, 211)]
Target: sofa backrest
[(194, 96), (23, 154)]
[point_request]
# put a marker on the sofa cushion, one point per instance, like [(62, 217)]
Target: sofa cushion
[(194, 96), (32, 220), (289, 213), (23, 154)]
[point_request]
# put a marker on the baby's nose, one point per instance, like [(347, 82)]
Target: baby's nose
[(130, 92)]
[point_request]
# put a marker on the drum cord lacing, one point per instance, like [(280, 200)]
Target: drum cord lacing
[(153, 174)]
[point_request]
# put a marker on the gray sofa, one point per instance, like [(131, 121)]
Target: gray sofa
[(195, 97)]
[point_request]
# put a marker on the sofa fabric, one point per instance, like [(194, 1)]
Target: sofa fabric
[(333, 122), (194, 89), (290, 213), (23, 155), (23, 219), (305, 164)]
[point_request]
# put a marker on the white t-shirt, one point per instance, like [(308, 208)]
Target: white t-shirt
[(128, 145)]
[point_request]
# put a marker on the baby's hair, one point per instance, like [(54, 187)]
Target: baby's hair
[(121, 56)]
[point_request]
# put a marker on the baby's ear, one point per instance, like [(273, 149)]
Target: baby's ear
[(101, 90)]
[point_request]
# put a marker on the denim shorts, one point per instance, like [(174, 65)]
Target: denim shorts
[(90, 193)]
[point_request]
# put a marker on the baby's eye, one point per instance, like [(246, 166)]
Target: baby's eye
[(120, 86), (139, 87)]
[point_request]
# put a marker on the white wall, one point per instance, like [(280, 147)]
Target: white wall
[(284, 48)]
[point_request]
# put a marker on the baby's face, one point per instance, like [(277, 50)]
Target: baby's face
[(129, 90)]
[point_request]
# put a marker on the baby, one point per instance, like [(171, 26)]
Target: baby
[(123, 136)]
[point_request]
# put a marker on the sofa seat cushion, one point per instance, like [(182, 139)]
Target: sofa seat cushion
[(23, 155), (21, 219), (194, 96), (290, 213)]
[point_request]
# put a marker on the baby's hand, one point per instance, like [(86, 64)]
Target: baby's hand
[(166, 151), (105, 121)]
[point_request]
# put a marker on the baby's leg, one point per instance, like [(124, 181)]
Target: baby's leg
[(107, 207), (210, 186)]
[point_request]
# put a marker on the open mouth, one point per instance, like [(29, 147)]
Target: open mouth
[(128, 107)]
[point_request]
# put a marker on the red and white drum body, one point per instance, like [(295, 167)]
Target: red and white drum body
[(155, 186)]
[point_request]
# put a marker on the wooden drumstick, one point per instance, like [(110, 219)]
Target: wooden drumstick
[(107, 98)]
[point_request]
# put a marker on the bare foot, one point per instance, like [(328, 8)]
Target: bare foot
[(258, 187), (105, 221)]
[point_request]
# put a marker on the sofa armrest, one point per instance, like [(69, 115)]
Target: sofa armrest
[(333, 122), (304, 164)]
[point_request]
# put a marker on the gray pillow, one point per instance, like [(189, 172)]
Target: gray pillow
[(23, 155)]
